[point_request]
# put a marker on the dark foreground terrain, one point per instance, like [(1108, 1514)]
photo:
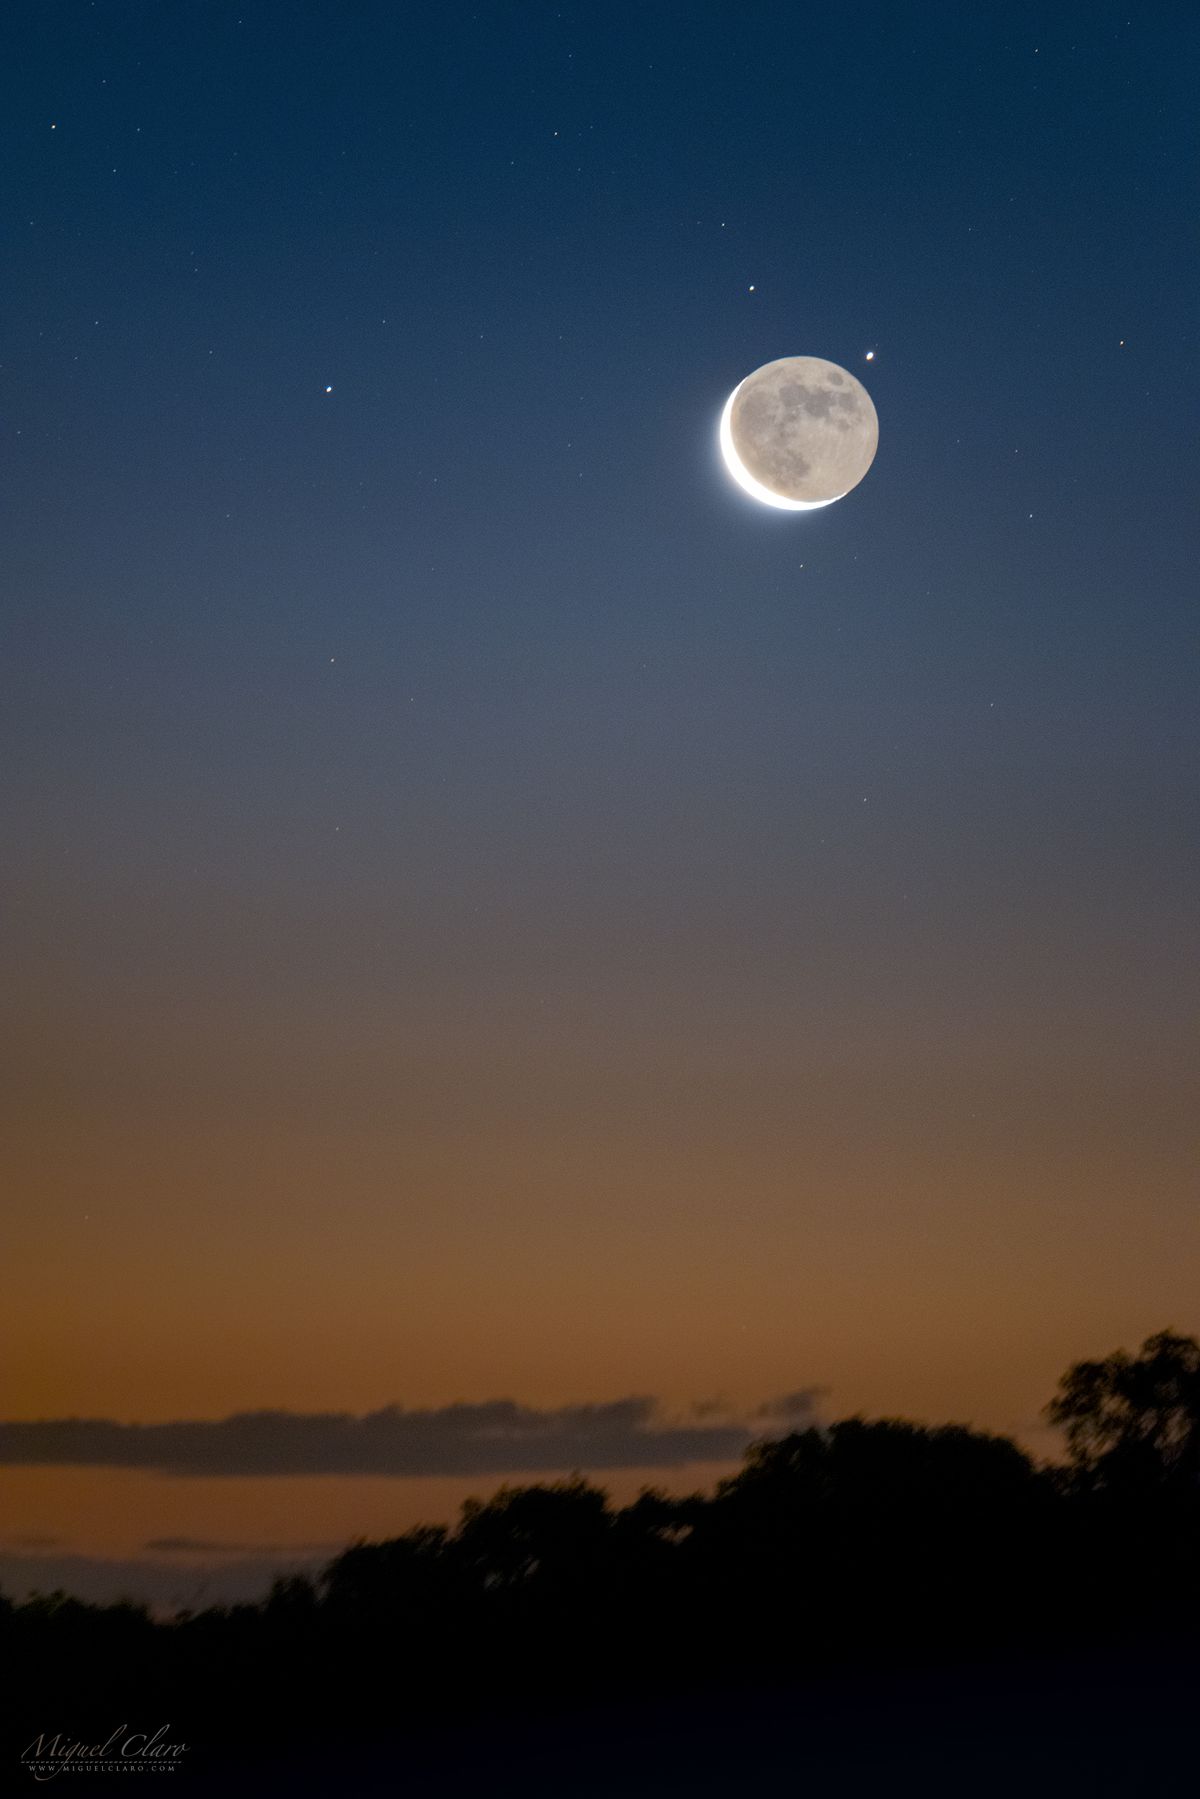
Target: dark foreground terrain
[(1121, 1724), (868, 1607)]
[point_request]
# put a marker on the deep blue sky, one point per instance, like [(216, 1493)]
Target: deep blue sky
[(494, 910)]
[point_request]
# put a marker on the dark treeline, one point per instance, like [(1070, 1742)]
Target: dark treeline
[(860, 1546)]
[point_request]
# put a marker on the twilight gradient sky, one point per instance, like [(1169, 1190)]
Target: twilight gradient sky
[(490, 910)]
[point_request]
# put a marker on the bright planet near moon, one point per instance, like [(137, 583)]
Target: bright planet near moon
[(799, 433)]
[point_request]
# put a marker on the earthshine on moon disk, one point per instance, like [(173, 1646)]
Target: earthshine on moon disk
[(799, 433)]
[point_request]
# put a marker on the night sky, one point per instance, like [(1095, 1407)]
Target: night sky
[(491, 911)]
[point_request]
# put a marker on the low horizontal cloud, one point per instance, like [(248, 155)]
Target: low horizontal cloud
[(793, 1411), (498, 1436)]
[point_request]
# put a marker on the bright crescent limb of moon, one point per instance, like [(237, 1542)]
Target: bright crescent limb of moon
[(745, 479)]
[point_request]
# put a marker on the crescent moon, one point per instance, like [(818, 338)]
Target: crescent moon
[(798, 433), (745, 479)]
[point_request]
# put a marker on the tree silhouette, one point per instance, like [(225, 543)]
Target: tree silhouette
[(857, 1546), (1132, 1423), (556, 1533)]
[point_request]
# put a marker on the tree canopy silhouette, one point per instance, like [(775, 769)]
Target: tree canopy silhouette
[(864, 1543), (1132, 1423)]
